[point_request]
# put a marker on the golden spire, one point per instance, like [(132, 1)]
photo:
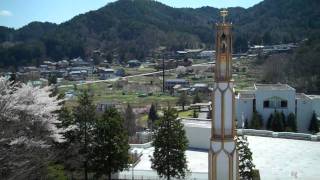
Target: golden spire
[(224, 14)]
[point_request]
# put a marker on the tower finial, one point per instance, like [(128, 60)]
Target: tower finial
[(224, 14)]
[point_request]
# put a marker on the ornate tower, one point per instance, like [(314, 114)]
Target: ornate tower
[(223, 157)]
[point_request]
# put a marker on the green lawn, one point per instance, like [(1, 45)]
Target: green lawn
[(186, 114)]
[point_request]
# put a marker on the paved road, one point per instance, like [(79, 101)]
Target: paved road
[(114, 79)]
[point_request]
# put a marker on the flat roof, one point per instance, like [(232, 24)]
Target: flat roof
[(176, 80), (197, 123), (314, 96), (276, 158), (246, 96), (200, 85), (268, 87), (301, 96)]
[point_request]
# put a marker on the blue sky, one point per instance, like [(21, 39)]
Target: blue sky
[(17, 13)]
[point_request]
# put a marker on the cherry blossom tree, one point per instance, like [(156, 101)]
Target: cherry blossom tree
[(27, 128)]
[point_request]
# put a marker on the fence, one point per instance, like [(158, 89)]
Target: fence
[(285, 135), (143, 146), (152, 175)]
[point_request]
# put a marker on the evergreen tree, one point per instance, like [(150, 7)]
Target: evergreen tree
[(170, 143), (195, 113), (196, 98), (314, 126), (152, 116), (110, 145), (52, 79), (291, 123), (130, 121), (66, 119), (269, 123), (183, 100), (85, 117), (277, 123), (256, 121), (245, 158)]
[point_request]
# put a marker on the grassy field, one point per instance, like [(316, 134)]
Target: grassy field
[(106, 92)]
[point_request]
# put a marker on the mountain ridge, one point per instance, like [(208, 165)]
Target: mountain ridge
[(134, 28)]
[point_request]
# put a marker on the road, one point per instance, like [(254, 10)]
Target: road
[(114, 79)]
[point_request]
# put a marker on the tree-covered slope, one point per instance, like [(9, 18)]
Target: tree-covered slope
[(132, 29)]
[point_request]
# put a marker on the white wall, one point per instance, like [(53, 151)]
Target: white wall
[(316, 105), (244, 106), (199, 137), (261, 96), (304, 114)]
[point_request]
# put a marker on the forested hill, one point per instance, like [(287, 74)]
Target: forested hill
[(132, 28)]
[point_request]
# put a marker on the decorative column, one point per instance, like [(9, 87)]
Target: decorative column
[(223, 157)]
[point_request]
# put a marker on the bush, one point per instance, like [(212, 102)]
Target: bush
[(277, 122), (256, 121), (314, 126), (269, 123), (291, 123)]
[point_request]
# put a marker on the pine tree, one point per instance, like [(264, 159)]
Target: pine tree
[(245, 158), (196, 98), (291, 123), (110, 145), (195, 114), (283, 119), (152, 117), (130, 121), (277, 123), (52, 79), (183, 100), (85, 117), (269, 123), (66, 120), (170, 143), (314, 126), (256, 121)]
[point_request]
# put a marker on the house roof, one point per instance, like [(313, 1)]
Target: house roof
[(269, 87)]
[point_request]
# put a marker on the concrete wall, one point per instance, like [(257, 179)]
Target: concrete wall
[(261, 96), (316, 105), (245, 107), (304, 114), (198, 137)]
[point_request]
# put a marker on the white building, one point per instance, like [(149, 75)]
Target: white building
[(267, 98)]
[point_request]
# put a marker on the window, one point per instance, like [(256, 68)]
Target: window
[(284, 104), (275, 102)]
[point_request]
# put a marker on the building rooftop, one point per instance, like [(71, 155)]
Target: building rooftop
[(295, 159), (314, 96), (246, 96), (197, 123), (301, 96), (198, 85), (270, 87), (176, 80)]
